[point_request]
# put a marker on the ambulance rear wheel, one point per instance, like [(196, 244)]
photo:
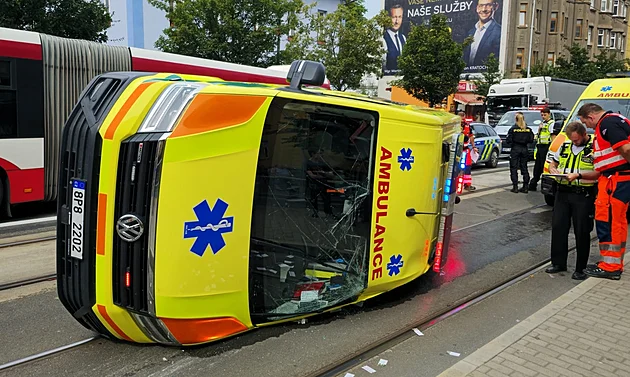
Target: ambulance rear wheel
[(493, 161), (549, 199)]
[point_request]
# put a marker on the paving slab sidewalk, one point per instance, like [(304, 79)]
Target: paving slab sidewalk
[(584, 332)]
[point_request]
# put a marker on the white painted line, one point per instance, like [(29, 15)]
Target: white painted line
[(27, 222)]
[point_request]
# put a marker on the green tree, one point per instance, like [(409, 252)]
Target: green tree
[(490, 77), (236, 31), (345, 41), (431, 62), (576, 65), (79, 19)]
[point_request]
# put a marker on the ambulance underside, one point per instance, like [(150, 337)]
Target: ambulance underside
[(304, 246)]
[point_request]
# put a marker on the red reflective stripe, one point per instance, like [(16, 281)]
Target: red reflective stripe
[(605, 155), (622, 142)]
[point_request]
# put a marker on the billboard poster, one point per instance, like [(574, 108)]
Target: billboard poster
[(480, 19)]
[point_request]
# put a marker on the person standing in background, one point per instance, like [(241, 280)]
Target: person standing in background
[(469, 146), (519, 136), (543, 138)]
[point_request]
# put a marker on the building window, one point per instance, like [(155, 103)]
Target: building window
[(519, 58), (578, 29), (590, 36), (538, 19), (522, 15), (624, 10), (613, 40), (534, 57), (592, 4), (565, 25), (553, 25), (551, 58), (605, 6), (600, 37), (615, 8)]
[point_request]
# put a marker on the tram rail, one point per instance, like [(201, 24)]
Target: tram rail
[(345, 363), (26, 242), (385, 343)]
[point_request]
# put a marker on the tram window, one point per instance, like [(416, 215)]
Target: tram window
[(312, 209), (5, 73), (8, 114)]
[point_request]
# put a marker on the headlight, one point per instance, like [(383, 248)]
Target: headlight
[(168, 107)]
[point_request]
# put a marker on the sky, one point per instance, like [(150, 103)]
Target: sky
[(373, 7)]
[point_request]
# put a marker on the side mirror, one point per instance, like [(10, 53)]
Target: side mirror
[(306, 72)]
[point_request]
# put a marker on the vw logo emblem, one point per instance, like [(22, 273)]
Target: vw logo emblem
[(129, 228)]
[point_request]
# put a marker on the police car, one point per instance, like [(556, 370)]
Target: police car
[(533, 118), (488, 142)]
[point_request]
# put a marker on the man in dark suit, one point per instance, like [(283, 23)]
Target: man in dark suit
[(394, 39), (486, 34)]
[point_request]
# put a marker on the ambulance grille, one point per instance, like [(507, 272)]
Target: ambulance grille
[(80, 156), (136, 169)]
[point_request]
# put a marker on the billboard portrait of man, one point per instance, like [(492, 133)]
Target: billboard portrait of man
[(394, 40), (486, 34)]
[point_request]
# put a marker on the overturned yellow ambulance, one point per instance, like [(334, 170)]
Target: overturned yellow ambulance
[(192, 208)]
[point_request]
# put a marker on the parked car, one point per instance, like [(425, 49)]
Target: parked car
[(532, 119), (488, 143)]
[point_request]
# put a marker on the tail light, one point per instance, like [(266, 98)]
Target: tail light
[(454, 174)]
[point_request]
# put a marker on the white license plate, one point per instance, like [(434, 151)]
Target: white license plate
[(77, 210), (507, 149)]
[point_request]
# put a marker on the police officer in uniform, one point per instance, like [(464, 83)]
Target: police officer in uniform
[(519, 136), (542, 147), (574, 199)]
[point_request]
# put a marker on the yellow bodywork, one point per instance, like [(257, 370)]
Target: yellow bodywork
[(602, 89), (207, 163)]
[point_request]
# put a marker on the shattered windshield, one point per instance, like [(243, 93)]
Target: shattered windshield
[(312, 208)]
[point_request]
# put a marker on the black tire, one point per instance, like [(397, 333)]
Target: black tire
[(549, 199), (493, 160)]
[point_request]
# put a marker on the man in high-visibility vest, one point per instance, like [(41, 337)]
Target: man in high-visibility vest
[(543, 138), (574, 200), (611, 155)]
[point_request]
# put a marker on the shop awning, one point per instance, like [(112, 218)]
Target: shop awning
[(468, 99)]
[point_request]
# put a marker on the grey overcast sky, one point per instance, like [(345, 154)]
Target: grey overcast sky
[(373, 7)]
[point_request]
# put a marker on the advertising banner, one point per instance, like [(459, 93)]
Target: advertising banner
[(480, 19)]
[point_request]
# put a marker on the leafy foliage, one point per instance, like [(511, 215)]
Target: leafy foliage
[(79, 19), (492, 76), (577, 65), (345, 41), (237, 31), (431, 62)]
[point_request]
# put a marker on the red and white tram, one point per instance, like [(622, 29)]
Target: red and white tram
[(41, 78)]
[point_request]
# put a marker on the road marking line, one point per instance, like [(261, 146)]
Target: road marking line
[(26, 222)]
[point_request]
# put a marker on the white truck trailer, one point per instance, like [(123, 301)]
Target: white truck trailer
[(531, 92)]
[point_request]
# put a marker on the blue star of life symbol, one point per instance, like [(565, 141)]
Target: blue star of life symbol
[(405, 159), (209, 228), (607, 88), (395, 264)]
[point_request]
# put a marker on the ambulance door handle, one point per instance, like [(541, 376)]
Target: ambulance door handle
[(412, 212)]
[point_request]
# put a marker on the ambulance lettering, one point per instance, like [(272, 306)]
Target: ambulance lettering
[(614, 95), (384, 176)]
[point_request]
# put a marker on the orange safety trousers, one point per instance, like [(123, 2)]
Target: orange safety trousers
[(611, 206)]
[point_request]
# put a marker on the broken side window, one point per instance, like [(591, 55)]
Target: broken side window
[(312, 209)]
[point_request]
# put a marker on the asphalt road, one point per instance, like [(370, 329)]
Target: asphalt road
[(32, 319)]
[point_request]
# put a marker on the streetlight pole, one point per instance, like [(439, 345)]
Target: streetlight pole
[(531, 39)]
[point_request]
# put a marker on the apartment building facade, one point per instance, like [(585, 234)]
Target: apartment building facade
[(595, 24)]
